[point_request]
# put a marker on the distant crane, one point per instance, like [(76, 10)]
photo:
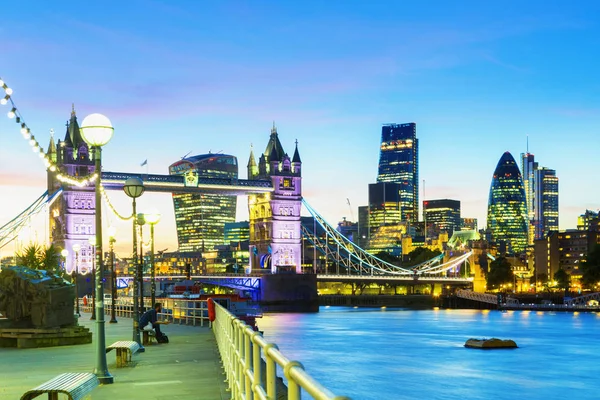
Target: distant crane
[(350, 207)]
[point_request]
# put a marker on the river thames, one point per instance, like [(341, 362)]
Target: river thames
[(375, 353)]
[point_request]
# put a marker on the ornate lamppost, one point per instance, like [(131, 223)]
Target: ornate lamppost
[(112, 232), (152, 218), (92, 242), (134, 187), (75, 275), (97, 131)]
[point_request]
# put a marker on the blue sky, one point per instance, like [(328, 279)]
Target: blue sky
[(174, 77)]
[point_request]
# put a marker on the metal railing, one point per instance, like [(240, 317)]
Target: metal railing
[(248, 376), (178, 311)]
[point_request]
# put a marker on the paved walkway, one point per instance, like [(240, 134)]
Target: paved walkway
[(186, 368)]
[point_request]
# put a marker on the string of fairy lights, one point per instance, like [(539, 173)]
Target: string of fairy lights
[(48, 162), (35, 146)]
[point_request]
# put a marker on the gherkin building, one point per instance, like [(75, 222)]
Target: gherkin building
[(507, 213)]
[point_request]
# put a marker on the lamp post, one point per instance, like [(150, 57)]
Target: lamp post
[(75, 273), (112, 232), (141, 221), (152, 218), (92, 242), (64, 253), (134, 187), (97, 131)]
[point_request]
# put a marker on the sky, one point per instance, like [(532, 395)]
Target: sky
[(478, 78)]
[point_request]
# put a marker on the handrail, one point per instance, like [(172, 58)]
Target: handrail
[(242, 350)]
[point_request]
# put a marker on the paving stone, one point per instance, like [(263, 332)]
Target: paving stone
[(188, 367)]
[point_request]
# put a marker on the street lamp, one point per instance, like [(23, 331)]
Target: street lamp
[(97, 131), (112, 232), (152, 218), (134, 187), (75, 273), (92, 242), (64, 253), (141, 220)]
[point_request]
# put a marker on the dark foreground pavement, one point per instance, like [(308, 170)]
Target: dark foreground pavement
[(186, 368)]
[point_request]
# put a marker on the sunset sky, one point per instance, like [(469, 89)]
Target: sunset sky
[(176, 77)]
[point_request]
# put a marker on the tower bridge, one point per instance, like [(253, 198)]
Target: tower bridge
[(275, 202)]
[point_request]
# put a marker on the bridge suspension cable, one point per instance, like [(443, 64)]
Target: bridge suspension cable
[(10, 231), (357, 259)]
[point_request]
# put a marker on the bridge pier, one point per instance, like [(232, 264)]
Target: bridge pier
[(289, 293)]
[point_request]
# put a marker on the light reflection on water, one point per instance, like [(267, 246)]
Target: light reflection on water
[(370, 353)]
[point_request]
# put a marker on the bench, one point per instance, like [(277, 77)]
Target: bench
[(125, 349), (74, 385), (148, 337)]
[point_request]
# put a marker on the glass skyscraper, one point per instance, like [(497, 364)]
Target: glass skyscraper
[(507, 210), (441, 215), (546, 202), (201, 218), (399, 163)]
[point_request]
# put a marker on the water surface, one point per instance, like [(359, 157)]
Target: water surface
[(373, 353)]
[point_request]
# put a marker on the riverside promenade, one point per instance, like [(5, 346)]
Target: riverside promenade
[(186, 368)]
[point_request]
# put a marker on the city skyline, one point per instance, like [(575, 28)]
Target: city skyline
[(477, 79)]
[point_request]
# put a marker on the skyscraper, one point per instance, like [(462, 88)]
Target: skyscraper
[(528, 168), (507, 209), (399, 163), (546, 202), (441, 215), (541, 192), (201, 218)]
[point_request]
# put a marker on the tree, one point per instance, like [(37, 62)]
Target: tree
[(36, 257), (562, 279), (29, 256), (590, 269), (500, 273), (50, 259), (387, 257), (421, 254)]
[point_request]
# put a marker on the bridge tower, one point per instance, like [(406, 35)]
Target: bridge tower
[(72, 215), (275, 231)]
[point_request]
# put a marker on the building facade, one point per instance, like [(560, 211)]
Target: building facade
[(507, 209), (72, 216), (546, 202), (201, 218), (399, 163), (236, 232), (275, 230), (441, 216), (528, 169), (541, 192)]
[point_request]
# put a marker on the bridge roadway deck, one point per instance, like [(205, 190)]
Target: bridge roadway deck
[(186, 368)]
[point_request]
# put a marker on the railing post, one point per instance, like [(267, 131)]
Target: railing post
[(271, 372), (247, 364), (293, 388), (240, 358)]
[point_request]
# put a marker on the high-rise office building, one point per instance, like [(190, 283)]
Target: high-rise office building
[(201, 218), (589, 220), (236, 232), (468, 224), (384, 218), (541, 193), (441, 216), (399, 163), (528, 168), (507, 208), (546, 202)]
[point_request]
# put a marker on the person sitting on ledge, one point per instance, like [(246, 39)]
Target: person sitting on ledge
[(149, 321)]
